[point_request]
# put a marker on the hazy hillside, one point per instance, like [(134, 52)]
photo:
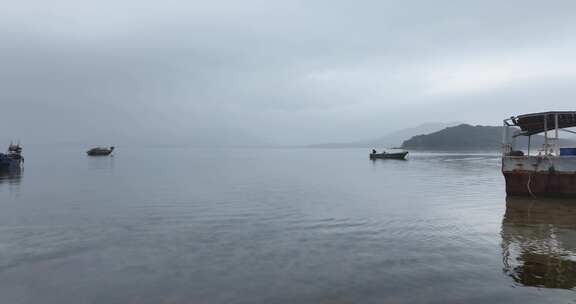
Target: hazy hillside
[(467, 137), (393, 139), (396, 138), (224, 137)]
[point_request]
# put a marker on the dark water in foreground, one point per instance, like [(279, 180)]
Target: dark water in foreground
[(277, 226)]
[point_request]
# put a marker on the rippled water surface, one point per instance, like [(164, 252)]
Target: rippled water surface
[(163, 225)]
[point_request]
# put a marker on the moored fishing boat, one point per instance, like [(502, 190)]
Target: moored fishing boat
[(99, 151), (385, 155), (552, 170), (12, 159)]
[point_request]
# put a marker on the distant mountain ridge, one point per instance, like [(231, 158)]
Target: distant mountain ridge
[(468, 137), (393, 139)]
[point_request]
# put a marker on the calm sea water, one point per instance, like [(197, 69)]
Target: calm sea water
[(161, 225)]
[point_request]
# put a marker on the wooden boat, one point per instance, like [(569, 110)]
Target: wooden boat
[(384, 155), (99, 151)]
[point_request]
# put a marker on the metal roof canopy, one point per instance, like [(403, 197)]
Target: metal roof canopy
[(535, 123)]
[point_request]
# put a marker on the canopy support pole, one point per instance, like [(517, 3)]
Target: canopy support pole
[(545, 134), (556, 146), (556, 124)]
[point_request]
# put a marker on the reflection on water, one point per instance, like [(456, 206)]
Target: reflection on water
[(11, 176), (539, 242), (10, 180), (100, 162), (163, 225)]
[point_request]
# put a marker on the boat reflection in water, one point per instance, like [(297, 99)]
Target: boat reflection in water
[(11, 176), (539, 242)]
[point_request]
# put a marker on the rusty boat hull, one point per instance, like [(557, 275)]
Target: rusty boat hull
[(540, 175)]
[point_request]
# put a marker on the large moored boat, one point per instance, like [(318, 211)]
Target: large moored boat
[(551, 170)]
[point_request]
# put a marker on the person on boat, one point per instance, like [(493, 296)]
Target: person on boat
[(374, 151)]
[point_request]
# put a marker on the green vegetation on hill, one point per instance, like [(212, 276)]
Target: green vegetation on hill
[(467, 137), (461, 137)]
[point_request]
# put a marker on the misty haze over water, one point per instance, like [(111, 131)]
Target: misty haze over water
[(208, 197), (275, 72)]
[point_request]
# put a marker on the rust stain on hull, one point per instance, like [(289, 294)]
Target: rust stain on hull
[(521, 182)]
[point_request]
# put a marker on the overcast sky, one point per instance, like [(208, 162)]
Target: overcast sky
[(286, 72)]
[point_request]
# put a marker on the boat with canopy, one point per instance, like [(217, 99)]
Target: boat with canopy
[(548, 171)]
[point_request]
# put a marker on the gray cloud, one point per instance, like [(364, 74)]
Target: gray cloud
[(284, 71)]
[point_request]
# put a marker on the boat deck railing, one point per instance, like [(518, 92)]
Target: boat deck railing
[(536, 123)]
